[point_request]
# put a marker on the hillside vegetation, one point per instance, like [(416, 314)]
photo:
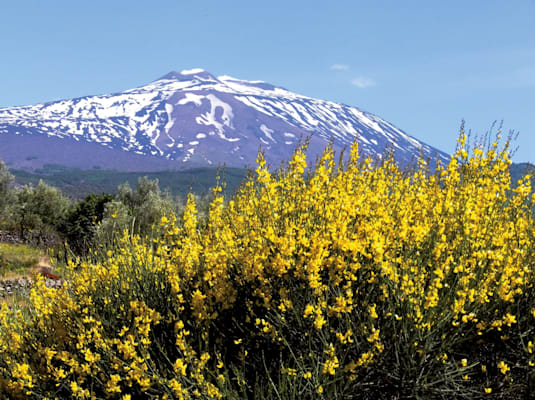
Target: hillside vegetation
[(77, 183), (338, 282), (42, 215), (518, 171)]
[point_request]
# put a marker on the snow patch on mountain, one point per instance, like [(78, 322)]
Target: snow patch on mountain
[(192, 71), (268, 132), (209, 115)]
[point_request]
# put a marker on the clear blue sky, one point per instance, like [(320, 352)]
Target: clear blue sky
[(422, 65)]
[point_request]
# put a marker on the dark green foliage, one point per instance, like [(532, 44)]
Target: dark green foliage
[(81, 221), (77, 184)]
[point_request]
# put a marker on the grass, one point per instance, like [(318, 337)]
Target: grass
[(19, 261), (16, 260), (19, 300)]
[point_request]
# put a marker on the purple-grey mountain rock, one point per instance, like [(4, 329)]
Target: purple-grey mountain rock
[(191, 119)]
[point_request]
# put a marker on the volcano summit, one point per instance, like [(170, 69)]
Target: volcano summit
[(191, 119)]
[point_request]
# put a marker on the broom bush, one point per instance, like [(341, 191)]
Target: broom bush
[(347, 280)]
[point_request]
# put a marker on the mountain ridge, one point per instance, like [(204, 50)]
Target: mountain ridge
[(192, 119)]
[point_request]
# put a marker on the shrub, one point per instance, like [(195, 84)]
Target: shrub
[(6, 193), (40, 208), (348, 281), (80, 222), (134, 210)]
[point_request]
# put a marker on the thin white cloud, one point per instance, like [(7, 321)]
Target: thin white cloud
[(339, 67), (363, 82)]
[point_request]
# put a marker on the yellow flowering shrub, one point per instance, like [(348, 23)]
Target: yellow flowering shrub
[(338, 280)]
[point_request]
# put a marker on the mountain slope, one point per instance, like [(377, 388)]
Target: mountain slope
[(190, 119), (76, 183)]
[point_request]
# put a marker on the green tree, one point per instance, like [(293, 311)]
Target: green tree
[(136, 211), (147, 203), (6, 193), (41, 208), (81, 221)]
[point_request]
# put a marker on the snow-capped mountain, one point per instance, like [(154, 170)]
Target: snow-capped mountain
[(189, 119)]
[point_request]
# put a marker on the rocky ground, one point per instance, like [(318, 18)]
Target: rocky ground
[(31, 238), (22, 286)]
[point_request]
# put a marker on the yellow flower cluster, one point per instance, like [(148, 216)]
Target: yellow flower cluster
[(329, 266)]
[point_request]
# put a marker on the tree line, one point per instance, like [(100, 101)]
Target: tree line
[(40, 211)]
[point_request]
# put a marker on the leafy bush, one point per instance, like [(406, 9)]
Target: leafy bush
[(353, 281), (40, 208), (79, 225), (6, 180), (136, 211)]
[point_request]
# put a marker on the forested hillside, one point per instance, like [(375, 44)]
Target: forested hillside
[(77, 183)]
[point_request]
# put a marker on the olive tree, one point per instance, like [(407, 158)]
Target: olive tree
[(40, 208), (6, 193), (136, 210)]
